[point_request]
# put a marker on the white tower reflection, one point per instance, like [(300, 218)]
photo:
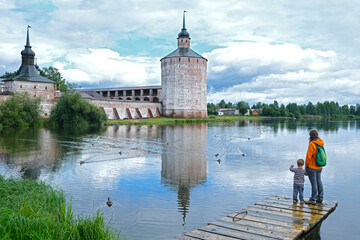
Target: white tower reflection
[(184, 160)]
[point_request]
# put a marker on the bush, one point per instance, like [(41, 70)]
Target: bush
[(20, 111), (74, 111)]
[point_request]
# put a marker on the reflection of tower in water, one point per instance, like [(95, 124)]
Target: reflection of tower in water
[(184, 160)]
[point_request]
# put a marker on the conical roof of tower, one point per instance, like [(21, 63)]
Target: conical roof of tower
[(28, 70), (184, 52)]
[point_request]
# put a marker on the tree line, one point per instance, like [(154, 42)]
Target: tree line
[(326, 109)]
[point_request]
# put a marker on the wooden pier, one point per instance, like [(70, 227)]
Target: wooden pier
[(276, 217)]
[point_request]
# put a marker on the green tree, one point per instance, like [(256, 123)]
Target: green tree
[(243, 107), (20, 111), (211, 109), (74, 111), (222, 104), (8, 74), (311, 109), (61, 83)]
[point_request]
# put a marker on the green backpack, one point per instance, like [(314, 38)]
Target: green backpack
[(320, 156)]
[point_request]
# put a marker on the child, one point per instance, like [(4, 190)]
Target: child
[(298, 180)]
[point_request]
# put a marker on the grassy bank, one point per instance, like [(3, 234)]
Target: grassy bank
[(163, 120), (32, 210)]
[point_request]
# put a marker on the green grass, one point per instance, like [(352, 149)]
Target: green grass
[(34, 210), (163, 120)]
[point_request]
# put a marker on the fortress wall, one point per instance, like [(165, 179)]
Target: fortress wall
[(121, 107)]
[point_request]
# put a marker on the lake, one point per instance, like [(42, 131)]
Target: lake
[(171, 179)]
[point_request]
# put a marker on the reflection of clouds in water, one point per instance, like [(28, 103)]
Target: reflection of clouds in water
[(109, 173)]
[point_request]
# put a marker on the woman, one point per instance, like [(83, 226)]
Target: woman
[(314, 171)]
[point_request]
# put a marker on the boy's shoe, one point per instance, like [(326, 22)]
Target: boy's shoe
[(318, 202), (310, 202), (295, 201), (302, 202)]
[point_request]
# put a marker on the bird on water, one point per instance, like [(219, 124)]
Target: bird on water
[(109, 203)]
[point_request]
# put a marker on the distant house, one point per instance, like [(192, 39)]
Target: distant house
[(227, 111), (256, 111)]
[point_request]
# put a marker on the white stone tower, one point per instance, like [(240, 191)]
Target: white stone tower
[(183, 80)]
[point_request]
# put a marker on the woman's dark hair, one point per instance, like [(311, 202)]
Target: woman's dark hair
[(313, 135)]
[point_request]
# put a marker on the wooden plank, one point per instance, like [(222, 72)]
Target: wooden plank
[(207, 236), (278, 216), (184, 238), (255, 230), (301, 207), (218, 230), (264, 219), (260, 225), (293, 211), (325, 203), (294, 217)]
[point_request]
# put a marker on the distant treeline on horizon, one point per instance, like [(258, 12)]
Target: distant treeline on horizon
[(290, 110)]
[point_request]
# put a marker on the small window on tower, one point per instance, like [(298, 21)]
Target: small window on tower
[(197, 60), (179, 59), (188, 59), (186, 41), (20, 86), (45, 88), (181, 40), (34, 87)]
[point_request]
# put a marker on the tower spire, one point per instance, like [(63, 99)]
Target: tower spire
[(184, 28), (184, 33), (28, 37)]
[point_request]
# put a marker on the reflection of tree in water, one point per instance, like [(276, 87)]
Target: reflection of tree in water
[(323, 124), (30, 150), (19, 142), (184, 161)]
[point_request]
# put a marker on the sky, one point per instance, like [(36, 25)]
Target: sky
[(257, 50)]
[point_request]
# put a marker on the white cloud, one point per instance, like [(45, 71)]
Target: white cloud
[(7, 4), (285, 72), (107, 67)]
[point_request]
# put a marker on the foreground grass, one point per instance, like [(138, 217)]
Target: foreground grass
[(33, 210), (163, 120)]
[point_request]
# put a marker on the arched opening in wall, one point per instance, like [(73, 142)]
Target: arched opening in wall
[(120, 98), (181, 40), (137, 99), (128, 98), (186, 41), (155, 99), (146, 99), (197, 60), (45, 88), (20, 86), (188, 59), (179, 59)]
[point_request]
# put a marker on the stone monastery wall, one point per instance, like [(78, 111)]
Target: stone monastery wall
[(128, 110)]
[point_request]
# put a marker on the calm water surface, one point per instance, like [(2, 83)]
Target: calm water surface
[(166, 180)]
